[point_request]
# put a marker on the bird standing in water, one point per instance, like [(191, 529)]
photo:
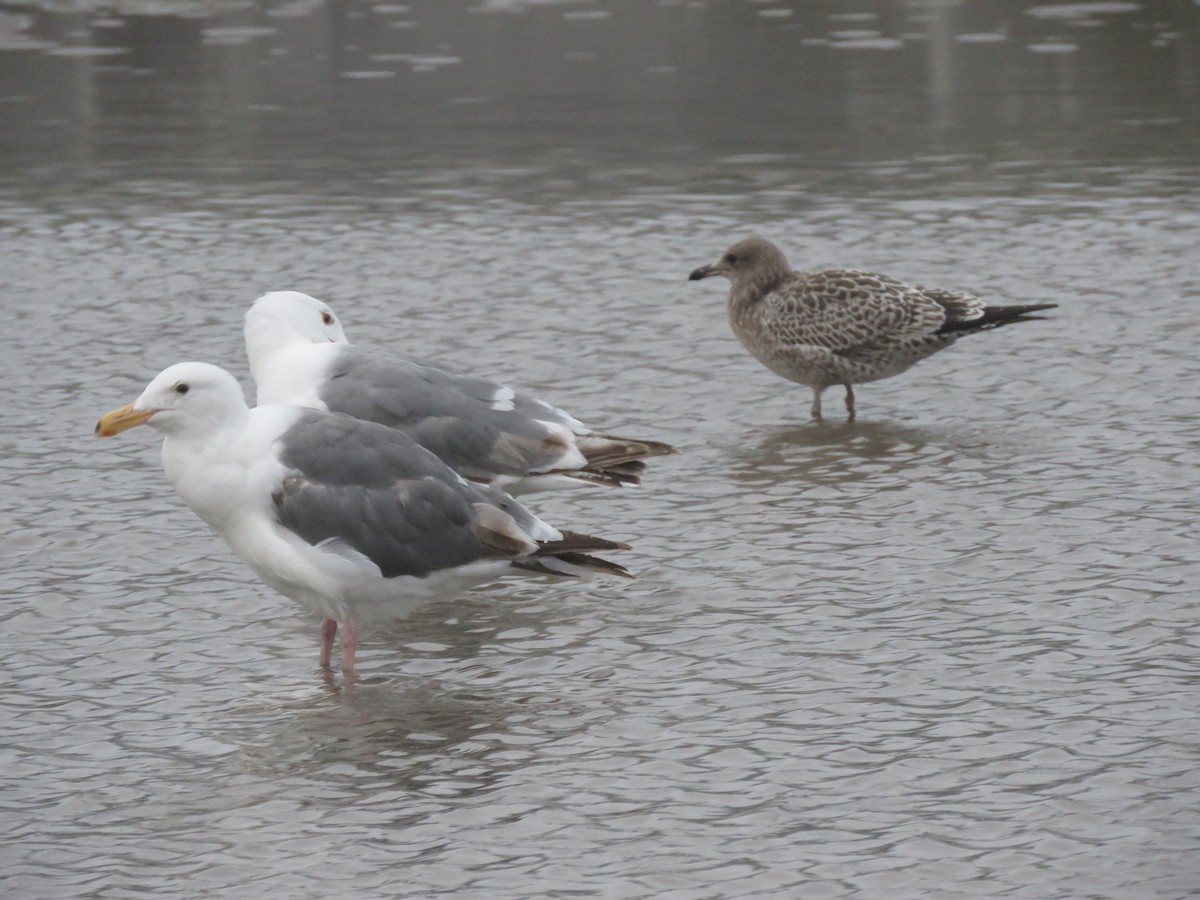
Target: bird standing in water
[(841, 326), (484, 430), (353, 520)]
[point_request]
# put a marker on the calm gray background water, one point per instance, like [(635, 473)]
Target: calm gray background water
[(948, 650)]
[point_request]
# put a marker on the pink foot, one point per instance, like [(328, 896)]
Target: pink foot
[(328, 633)]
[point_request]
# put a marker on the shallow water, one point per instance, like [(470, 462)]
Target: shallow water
[(946, 650)]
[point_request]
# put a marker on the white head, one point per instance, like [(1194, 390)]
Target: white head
[(284, 319), (189, 396)]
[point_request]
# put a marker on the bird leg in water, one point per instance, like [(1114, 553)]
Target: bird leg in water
[(328, 633), (816, 407), (349, 640), (850, 401)]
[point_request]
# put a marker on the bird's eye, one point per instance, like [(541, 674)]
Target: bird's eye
[(731, 258), (327, 318), (181, 388)]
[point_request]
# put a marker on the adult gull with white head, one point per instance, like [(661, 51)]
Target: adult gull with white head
[(482, 429), (351, 519)]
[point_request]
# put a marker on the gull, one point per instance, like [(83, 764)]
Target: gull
[(482, 429), (842, 326), (352, 520)]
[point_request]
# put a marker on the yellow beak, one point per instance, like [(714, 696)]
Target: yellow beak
[(122, 419)]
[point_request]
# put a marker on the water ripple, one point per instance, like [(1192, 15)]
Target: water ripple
[(948, 649)]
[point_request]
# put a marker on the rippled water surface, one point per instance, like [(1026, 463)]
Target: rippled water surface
[(948, 650)]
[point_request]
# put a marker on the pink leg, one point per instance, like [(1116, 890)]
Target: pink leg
[(349, 641), (328, 633), (816, 407)]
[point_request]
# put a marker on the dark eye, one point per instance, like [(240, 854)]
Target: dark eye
[(327, 318), (731, 258), (181, 388)]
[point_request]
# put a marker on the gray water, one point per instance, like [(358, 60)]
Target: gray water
[(948, 650)]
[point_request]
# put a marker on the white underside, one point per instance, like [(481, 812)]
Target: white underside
[(227, 480)]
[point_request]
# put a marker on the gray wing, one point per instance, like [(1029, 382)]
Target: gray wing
[(371, 488), (478, 426), (480, 389), (847, 311), (375, 490)]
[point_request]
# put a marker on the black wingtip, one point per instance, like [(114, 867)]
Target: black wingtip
[(573, 540), (594, 564), (996, 316)]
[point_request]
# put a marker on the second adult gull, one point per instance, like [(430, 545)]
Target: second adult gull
[(484, 430)]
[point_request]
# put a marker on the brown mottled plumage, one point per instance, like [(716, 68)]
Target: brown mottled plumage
[(840, 326)]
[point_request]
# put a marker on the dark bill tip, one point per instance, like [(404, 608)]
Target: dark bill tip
[(702, 272)]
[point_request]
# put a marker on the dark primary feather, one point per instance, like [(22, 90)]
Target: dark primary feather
[(995, 316), (505, 540), (609, 452), (575, 560), (570, 549), (574, 541)]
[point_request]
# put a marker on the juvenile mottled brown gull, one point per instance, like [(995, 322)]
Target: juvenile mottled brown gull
[(483, 430), (351, 519), (840, 326)]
